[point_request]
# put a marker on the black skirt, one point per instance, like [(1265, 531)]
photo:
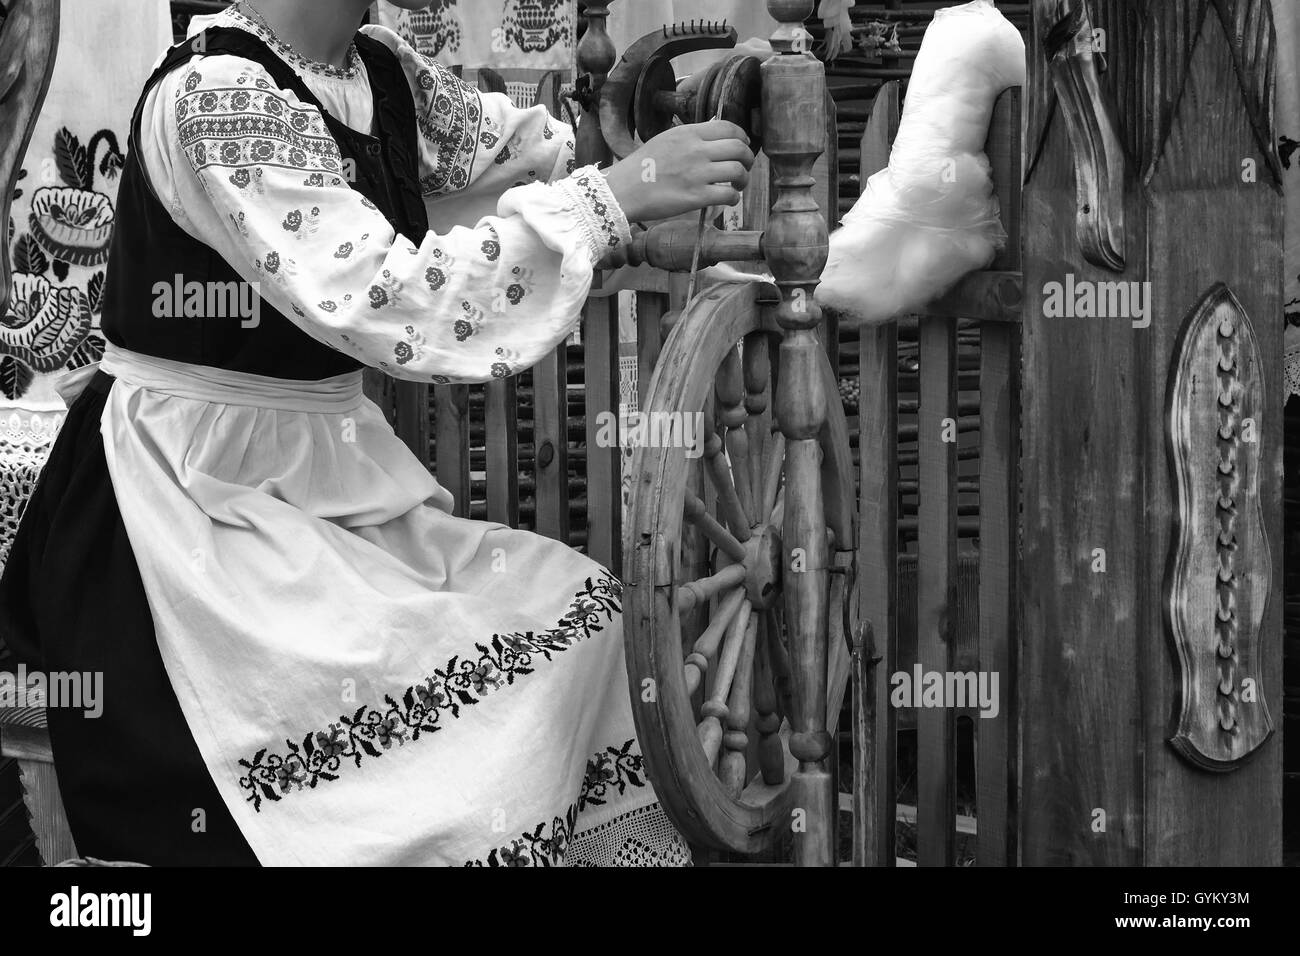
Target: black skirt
[(71, 600)]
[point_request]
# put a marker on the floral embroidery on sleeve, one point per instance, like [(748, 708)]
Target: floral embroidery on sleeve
[(468, 305)]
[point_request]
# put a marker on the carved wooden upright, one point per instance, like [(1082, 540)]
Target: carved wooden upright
[(1153, 435), (796, 249)]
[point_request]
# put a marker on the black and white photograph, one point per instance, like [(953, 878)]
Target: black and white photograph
[(715, 435)]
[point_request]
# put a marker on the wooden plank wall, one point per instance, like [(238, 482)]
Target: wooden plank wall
[(1102, 682)]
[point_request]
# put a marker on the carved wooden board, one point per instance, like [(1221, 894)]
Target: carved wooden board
[(1220, 568), (29, 39)]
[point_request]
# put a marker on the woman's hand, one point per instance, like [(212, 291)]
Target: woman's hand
[(682, 169)]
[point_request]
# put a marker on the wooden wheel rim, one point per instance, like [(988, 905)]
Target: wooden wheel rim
[(684, 779)]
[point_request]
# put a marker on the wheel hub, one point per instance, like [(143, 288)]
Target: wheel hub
[(763, 582)]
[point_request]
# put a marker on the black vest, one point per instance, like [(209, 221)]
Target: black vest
[(148, 247)]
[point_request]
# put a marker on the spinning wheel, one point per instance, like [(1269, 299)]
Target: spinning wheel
[(741, 560), (723, 610)]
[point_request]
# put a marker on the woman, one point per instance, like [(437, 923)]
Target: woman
[(306, 658)]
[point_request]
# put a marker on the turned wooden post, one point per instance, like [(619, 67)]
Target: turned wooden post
[(596, 57), (794, 126)]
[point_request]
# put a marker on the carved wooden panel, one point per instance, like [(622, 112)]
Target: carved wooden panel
[(1217, 585), (29, 39)]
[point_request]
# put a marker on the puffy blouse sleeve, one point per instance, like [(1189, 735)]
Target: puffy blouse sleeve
[(462, 304)]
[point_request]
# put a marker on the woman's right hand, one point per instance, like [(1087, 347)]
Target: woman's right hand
[(683, 169)]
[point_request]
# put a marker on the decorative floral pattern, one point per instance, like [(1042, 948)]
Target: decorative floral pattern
[(423, 708), (245, 129), (56, 297), (607, 227), (292, 56), (450, 118), (615, 769)]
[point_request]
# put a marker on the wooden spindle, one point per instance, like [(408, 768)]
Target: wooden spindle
[(756, 358), (771, 752), (706, 645), (730, 392), (794, 125), (735, 738), (596, 55), (733, 512), (695, 593), (715, 709)]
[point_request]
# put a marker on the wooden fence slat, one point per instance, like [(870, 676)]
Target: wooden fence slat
[(501, 418), (936, 581), (996, 768), (875, 721), (650, 309), (604, 464), (550, 439), (451, 443)]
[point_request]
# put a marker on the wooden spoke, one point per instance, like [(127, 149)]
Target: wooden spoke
[(712, 529), (758, 421), (777, 518), (719, 472), (714, 738), (779, 658), (694, 593), (774, 464), (730, 397), (771, 752), (706, 647), (735, 740), (715, 708)]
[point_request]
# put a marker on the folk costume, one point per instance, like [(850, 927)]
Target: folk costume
[(307, 658)]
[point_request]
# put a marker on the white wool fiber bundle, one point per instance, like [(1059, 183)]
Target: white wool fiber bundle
[(931, 216)]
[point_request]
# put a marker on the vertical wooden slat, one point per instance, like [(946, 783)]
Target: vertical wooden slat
[(406, 407), (995, 737), (412, 424), (875, 722), (1084, 496), (451, 443), (596, 57), (650, 309), (501, 417), (551, 440), (604, 464), (936, 807)]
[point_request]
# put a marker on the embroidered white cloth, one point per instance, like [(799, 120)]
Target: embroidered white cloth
[(501, 34), (370, 679), (62, 215)]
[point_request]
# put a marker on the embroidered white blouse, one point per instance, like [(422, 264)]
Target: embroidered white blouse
[(515, 231)]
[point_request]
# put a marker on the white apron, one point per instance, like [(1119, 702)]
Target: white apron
[(370, 679)]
